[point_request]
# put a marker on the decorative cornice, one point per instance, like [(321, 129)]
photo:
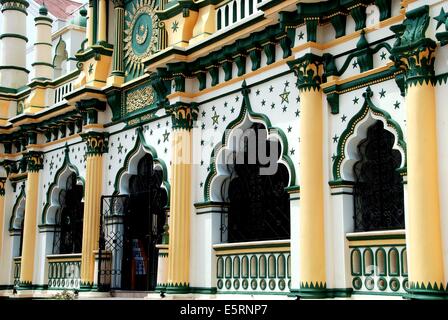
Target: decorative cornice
[(183, 115), (309, 70), (96, 143), (412, 51)]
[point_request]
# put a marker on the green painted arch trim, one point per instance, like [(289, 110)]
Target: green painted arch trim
[(369, 273), (270, 267), (246, 109), (65, 165), (397, 262), (352, 260), (43, 19), (350, 130), (141, 143), (404, 256), (13, 35), (384, 262), (22, 195)]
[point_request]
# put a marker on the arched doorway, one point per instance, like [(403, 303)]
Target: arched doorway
[(378, 189), (259, 207), (69, 218), (143, 226)]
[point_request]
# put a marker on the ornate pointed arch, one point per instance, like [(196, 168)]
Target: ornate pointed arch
[(130, 164), (348, 142), (51, 204), (247, 114), (18, 211)]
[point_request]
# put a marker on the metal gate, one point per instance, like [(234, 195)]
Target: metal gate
[(127, 258)]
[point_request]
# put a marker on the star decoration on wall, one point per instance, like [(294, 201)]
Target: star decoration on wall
[(285, 96), (232, 110), (298, 113), (289, 129), (215, 119), (166, 136), (257, 92), (175, 26), (203, 114), (237, 98), (382, 93), (441, 18), (263, 103), (285, 108), (301, 35), (383, 55), (120, 148), (271, 89), (397, 105), (356, 100), (292, 152), (344, 118), (335, 139), (273, 105), (355, 64)]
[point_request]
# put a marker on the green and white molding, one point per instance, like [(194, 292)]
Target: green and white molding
[(183, 115), (391, 125), (309, 71)]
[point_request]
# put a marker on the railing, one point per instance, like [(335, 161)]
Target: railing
[(253, 267), (234, 11), (64, 271), (378, 262), (61, 91), (17, 261)]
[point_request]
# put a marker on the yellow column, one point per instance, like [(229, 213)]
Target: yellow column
[(311, 216), (96, 146), (2, 211), (415, 55), (183, 116), (102, 21), (35, 164)]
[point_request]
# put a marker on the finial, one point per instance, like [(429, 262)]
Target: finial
[(43, 11)]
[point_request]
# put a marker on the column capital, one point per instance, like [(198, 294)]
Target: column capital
[(412, 51), (118, 3), (183, 115), (309, 71), (35, 161), (96, 142)]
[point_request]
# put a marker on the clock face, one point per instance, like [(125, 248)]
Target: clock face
[(141, 27)]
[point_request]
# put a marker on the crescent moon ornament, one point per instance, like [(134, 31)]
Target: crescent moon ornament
[(142, 38)]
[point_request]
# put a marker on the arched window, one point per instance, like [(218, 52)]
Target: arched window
[(226, 16), (378, 189), (219, 23), (243, 8), (251, 6), (60, 59), (258, 203), (69, 218)]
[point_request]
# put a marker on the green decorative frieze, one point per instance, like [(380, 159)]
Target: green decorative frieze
[(35, 161), (412, 51), (96, 143), (309, 71), (183, 115)]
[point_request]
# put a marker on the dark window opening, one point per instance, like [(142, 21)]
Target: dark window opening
[(378, 189), (259, 207), (69, 218)]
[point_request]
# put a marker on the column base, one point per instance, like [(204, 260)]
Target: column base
[(86, 287), (422, 292), (321, 293), (177, 288), (24, 285)]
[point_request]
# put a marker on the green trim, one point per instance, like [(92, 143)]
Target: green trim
[(359, 261), (22, 195), (364, 263), (376, 237), (14, 68), (141, 142), (377, 262), (402, 257), (367, 107), (42, 64), (397, 261), (13, 35), (65, 165), (246, 109)]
